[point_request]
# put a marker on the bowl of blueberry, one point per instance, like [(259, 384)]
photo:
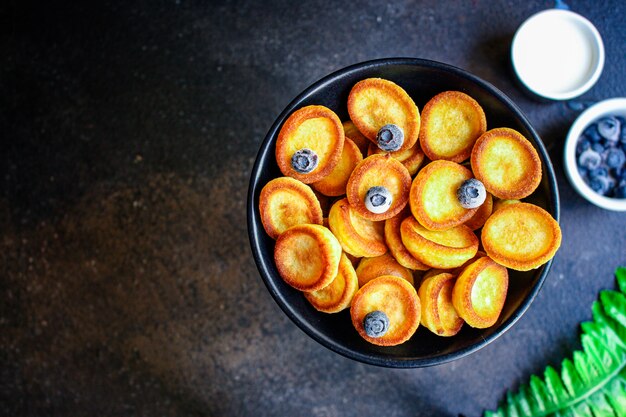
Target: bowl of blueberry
[(595, 154)]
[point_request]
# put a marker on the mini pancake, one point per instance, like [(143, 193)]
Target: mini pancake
[(482, 214), (521, 236), (396, 298), (383, 171), (334, 184), (438, 313), (286, 202), (316, 128), (451, 123), (499, 203), (454, 271), (480, 291), (351, 132), (506, 163), (358, 236), (395, 245), (370, 268), (307, 256), (375, 102), (411, 158), (445, 249), (337, 295), (433, 198)]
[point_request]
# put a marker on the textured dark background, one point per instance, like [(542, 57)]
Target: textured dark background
[(127, 135)]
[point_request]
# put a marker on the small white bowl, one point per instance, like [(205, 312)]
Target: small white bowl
[(614, 107), (557, 54)]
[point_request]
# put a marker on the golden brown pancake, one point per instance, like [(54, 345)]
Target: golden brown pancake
[(411, 158), (521, 236), (383, 171), (358, 236), (370, 268), (438, 313), (395, 297), (286, 202), (395, 245), (482, 214), (375, 102), (334, 184), (307, 256), (337, 295), (480, 291), (445, 249), (316, 128), (351, 132), (451, 123), (506, 163), (433, 197)]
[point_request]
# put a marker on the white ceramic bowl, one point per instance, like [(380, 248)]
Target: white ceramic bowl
[(557, 54), (614, 106)]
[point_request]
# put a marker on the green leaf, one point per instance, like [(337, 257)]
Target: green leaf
[(614, 305), (593, 382), (620, 275)]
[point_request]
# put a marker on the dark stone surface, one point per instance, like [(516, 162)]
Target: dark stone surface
[(127, 135)]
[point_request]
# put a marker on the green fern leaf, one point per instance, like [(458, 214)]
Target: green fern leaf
[(593, 382), (620, 275)]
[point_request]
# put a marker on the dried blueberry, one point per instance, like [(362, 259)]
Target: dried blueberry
[(609, 128), (390, 138), (614, 158), (304, 161), (376, 323), (378, 199), (590, 159), (591, 132), (471, 193)]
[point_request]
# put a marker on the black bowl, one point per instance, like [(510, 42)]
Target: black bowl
[(422, 79)]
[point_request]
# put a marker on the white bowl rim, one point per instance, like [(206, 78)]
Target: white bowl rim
[(616, 105), (597, 43)]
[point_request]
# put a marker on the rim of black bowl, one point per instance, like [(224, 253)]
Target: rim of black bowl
[(255, 228)]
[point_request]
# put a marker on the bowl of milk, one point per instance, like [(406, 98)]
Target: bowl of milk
[(557, 54)]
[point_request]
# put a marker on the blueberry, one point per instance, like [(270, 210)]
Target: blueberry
[(622, 133), (609, 128), (378, 199), (304, 161), (471, 193), (620, 192), (598, 147), (390, 138), (599, 184), (591, 132), (615, 158), (590, 159), (376, 323), (583, 145), (598, 172)]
